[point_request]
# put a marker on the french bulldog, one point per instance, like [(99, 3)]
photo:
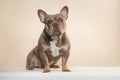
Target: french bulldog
[(52, 44)]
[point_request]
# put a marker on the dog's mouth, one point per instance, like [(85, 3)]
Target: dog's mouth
[(56, 35)]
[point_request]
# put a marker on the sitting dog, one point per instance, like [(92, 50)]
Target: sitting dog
[(52, 44)]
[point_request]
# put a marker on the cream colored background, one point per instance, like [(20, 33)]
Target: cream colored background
[(93, 29)]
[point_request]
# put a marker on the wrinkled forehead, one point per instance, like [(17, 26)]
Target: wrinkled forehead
[(54, 17)]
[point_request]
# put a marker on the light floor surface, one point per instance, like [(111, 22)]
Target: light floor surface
[(77, 73)]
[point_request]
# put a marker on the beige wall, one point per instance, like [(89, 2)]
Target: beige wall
[(93, 28)]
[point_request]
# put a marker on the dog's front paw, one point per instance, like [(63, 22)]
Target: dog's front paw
[(29, 67), (46, 69), (66, 70)]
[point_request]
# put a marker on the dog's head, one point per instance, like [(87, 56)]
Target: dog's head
[(54, 24)]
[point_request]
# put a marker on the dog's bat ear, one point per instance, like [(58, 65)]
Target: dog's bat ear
[(42, 15), (64, 11)]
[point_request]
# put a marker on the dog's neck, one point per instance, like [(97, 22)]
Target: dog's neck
[(47, 38), (54, 44)]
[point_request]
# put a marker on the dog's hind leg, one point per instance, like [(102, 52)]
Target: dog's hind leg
[(33, 61), (30, 61)]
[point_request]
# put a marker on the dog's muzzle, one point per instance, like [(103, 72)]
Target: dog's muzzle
[(57, 32)]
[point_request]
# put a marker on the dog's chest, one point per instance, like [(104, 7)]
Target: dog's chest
[(54, 49)]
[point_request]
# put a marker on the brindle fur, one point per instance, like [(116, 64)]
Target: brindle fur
[(40, 56)]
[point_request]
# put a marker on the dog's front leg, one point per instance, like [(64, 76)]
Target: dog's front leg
[(45, 61), (64, 61)]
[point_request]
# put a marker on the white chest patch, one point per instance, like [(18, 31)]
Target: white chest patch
[(54, 48)]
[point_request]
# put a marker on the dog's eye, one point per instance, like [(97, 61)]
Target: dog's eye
[(49, 22), (60, 19)]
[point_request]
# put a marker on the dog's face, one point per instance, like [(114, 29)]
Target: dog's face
[(54, 24)]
